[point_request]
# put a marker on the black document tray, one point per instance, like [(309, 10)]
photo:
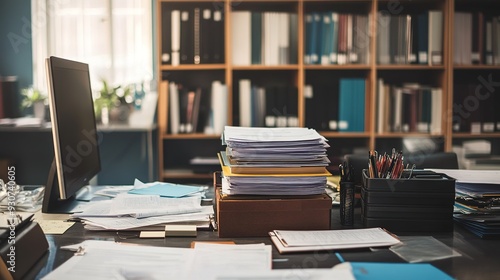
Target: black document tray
[(421, 181), (407, 211), (403, 198), (422, 202)]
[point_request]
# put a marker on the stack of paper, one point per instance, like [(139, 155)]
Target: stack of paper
[(109, 260), (147, 206), (477, 200), (273, 161), (287, 241)]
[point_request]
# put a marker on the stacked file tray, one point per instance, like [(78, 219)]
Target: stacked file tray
[(477, 201), (421, 200), (272, 178)]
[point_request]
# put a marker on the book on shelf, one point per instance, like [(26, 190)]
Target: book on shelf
[(496, 44), (408, 108), (494, 38), (280, 101), (216, 40), (192, 36), (267, 106), (293, 44), (322, 106), (383, 56), (245, 101), (422, 38), (477, 38), (270, 107), (193, 110), (187, 37), (292, 107), (218, 108), (256, 29), (166, 37), (436, 37), (472, 112), (351, 104), (241, 37), (336, 38), (258, 110), (204, 42), (196, 36), (174, 107), (410, 38), (175, 36), (488, 42), (266, 38)]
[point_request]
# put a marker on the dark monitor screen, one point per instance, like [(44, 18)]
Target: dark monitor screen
[(74, 133)]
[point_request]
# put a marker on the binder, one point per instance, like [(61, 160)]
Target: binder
[(256, 28), (217, 37), (187, 35), (166, 38), (175, 37), (30, 245), (206, 52)]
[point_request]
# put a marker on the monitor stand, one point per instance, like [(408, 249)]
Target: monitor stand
[(51, 201)]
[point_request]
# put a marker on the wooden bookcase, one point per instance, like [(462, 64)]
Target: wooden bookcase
[(175, 150), (482, 75)]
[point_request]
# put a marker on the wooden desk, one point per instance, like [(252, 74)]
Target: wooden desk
[(480, 258)]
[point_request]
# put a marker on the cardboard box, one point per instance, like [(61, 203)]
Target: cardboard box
[(255, 216)]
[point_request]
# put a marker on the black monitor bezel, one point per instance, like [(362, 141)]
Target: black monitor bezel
[(60, 197)]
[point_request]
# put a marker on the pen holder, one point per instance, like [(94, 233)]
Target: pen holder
[(347, 203)]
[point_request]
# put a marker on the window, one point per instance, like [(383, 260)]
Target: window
[(113, 36)]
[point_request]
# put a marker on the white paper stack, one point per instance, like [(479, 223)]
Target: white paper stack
[(273, 161)]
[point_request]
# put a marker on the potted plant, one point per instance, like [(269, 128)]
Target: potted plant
[(113, 104), (34, 98)]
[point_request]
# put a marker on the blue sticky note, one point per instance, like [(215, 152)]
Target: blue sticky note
[(167, 190), (388, 271)]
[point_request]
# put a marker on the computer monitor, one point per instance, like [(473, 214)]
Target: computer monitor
[(76, 141)]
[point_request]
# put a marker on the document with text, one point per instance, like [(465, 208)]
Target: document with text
[(310, 240)]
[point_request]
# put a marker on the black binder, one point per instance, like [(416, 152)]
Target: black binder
[(21, 246)]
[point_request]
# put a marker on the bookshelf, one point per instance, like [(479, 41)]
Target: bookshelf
[(364, 59), (474, 71)]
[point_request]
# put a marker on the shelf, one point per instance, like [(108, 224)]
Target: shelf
[(266, 67), (192, 67), (409, 67), (190, 136), (476, 67), (183, 174), (331, 134), (338, 67), (478, 135), (307, 81), (408, 135)]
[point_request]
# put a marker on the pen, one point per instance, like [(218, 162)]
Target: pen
[(341, 259)]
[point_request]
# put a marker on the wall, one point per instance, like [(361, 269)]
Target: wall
[(15, 41)]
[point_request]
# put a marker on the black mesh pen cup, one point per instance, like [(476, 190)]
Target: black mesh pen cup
[(347, 203)]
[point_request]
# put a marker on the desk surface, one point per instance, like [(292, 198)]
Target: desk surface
[(480, 258)]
